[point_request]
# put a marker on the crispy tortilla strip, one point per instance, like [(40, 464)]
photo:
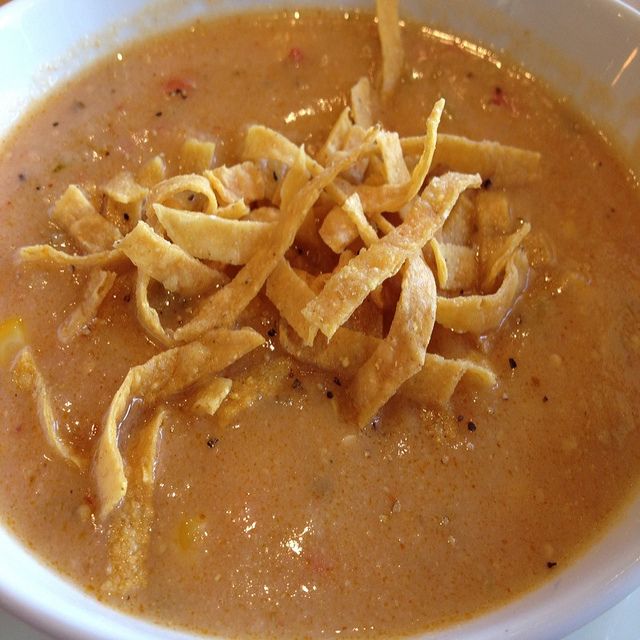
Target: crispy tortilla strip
[(401, 354), (240, 182), (264, 214), (479, 314), (461, 267), (395, 166), (437, 380), (346, 290), (152, 172), (224, 306), (355, 173), (353, 208), (361, 103), (96, 289), (27, 377), (128, 534), (459, 226), (209, 399), (234, 211), (493, 216), (337, 230), (390, 43), (348, 350), (166, 191), (45, 255), (147, 316), (75, 215), (392, 197), (502, 252), (506, 166), (124, 189), (167, 263), (196, 156), (162, 376), (337, 136), (289, 293), (441, 264), (213, 238)]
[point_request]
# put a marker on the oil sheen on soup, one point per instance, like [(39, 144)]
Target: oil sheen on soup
[(258, 501)]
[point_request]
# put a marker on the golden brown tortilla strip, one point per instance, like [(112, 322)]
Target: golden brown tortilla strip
[(128, 534), (346, 290), (46, 255), (196, 156), (152, 171), (390, 43), (96, 289), (458, 227), (503, 251), (224, 306), (233, 211), (481, 313), (353, 208), (401, 354), (239, 182), (337, 136), (209, 398), (442, 272), (461, 266), (337, 230), (162, 376), (214, 238), (361, 106), (27, 376), (392, 197), (395, 166), (167, 263), (75, 215), (124, 189), (436, 382), (289, 293), (147, 316), (493, 215), (505, 166)]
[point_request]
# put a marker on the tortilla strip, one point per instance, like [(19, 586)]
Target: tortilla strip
[(337, 230), (196, 156), (402, 353), (213, 238), (147, 316), (233, 211), (337, 136), (505, 249), (479, 314), (390, 43), (124, 189), (392, 197), (152, 171), (224, 306), (166, 262), (458, 227), (27, 377), (353, 208), (240, 182), (441, 264), (76, 216), (209, 399), (348, 350), (361, 103), (128, 534), (506, 166), (96, 289), (289, 293), (46, 255), (394, 164), (346, 290), (163, 375), (461, 267)]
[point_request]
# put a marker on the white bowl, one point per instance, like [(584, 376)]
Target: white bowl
[(584, 49)]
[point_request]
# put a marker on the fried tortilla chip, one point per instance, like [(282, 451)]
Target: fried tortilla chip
[(402, 353), (395, 166), (346, 290), (337, 136), (45, 255), (457, 266), (196, 156), (75, 215), (503, 250), (152, 171), (96, 289), (167, 263), (353, 208), (124, 189), (27, 377), (129, 532), (240, 182), (147, 316), (224, 306), (162, 376), (361, 106), (390, 43), (214, 238), (482, 313), (209, 398), (337, 230)]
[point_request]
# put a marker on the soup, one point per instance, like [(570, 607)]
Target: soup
[(281, 514)]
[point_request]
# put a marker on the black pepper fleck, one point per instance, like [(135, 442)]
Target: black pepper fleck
[(275, 176), (22, 177), (337, 381), (545, 399), (512, 363), (272, 333), (471, 425), (55, 124), (125, 215), (212, 442), (550, 564), (296, 384), (158, 114), (486, 183), (460, 418), (127, 297), (330, 394), (192, 197)]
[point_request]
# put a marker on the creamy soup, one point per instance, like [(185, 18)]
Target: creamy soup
[(279, 515)]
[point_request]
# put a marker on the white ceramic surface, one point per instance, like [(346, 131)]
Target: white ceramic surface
[(586, 49)]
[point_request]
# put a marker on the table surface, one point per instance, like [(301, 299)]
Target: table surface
[(620, 623)]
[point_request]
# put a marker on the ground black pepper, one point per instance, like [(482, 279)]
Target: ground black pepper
[(512, 363), (471, 425)]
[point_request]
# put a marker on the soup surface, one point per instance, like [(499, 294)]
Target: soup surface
[(277, 516)]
